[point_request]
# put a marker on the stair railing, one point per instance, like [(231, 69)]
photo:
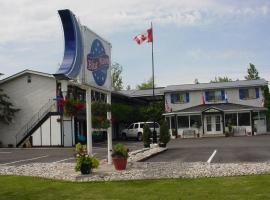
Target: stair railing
[(50, 106)]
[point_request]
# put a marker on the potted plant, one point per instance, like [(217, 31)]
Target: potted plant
[(84, 162), (146, 135), (120, 156), (164, 134)]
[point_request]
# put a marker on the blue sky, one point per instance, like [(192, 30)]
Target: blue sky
[(192, 39)]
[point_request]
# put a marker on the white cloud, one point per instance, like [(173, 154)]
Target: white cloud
[(38, 20)]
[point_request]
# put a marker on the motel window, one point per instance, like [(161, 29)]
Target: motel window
[(180, 97), (29, 79), (244, 119), (183, 122), (249, 93), (195, 121), (98, 96), (259, 115), (231, 119), (215, 95)]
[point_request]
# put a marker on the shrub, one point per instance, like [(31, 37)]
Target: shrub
[(164, 133), (146, 135), (82, 158), (119, 150)]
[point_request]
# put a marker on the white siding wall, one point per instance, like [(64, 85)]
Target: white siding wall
[(29, 97), (56, 131), (49, 133)]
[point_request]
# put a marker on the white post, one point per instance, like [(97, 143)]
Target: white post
[(170, 121), (109, 132), (64, 87), (89, 121), (237, 120)]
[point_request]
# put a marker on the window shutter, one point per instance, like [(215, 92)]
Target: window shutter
[(206, 96), (241, 93), (172, 98), (257, 93), (187, 97), (222, 95)]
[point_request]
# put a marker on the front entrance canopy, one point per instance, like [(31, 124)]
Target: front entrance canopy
[(223, 107)]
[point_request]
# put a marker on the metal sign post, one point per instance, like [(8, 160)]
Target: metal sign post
[(89, 121), (109, 131)]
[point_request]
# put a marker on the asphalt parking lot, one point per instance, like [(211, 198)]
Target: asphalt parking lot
[(14, 156), (221, 149)]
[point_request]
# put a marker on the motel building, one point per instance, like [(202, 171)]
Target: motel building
[(208, 109)]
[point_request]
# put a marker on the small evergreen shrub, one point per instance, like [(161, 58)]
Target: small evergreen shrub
[(146, 135), (164, 133)]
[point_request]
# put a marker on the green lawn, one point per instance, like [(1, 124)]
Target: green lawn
[(247, 187)]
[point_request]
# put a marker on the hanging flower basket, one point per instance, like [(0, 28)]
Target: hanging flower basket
[(99, 115), (72, 107)]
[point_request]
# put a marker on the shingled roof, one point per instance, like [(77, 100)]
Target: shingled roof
[(220, 85)]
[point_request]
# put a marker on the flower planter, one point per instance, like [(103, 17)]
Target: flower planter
[(85, 169), (120, 163)]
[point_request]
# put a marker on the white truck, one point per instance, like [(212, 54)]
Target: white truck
[(135, 130)]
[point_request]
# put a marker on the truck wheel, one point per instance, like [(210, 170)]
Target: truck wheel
[(139, 137)]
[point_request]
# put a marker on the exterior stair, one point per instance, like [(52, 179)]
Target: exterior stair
[(49, 109)]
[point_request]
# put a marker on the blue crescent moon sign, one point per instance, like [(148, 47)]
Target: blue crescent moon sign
[(98, 62)]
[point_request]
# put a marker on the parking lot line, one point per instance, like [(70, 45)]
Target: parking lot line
[(64, 160), (24, 160), (212, 156)]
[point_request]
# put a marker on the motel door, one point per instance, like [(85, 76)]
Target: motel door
[(213, 124)]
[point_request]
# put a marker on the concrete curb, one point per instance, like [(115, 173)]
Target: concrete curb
[(152, 155)]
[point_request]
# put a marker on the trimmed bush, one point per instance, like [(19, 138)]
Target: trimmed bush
[(164, 133), (146, 135)]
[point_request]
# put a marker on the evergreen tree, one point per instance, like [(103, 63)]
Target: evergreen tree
[(253, 74), (267, 104), (116, 76), (221, 79), (146, 135), (7, 110), (164, 133)]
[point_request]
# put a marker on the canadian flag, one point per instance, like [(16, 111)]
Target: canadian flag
[(262, 102), (147, 36), (167, 108), (202, 98)]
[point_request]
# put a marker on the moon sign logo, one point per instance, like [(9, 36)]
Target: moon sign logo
[(98, 62)]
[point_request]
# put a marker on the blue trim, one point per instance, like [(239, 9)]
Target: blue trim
[(187, 97), (172, 98), (71, 64), (241, 94), (206, 95), (257, 93), (223, 95)]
